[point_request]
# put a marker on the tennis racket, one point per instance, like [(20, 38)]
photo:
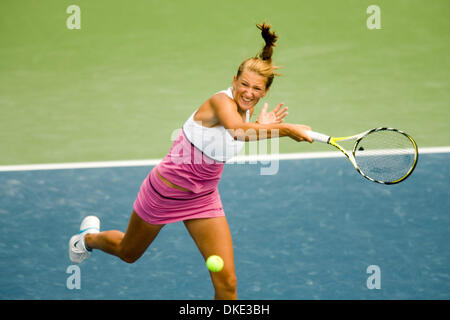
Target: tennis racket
[(382, 155)]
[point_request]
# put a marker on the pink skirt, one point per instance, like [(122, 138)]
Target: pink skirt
[(157, 203)]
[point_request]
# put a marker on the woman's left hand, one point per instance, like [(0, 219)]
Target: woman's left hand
[(274, 116)]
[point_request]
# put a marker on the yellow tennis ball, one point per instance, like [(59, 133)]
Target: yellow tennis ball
[(214, 263)]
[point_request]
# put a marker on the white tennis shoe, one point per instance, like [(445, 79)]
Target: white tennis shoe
[(77, 249)]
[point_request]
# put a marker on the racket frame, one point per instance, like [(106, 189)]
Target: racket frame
[(358, 137)]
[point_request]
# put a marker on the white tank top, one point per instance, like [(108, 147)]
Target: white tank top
[(216, 143)]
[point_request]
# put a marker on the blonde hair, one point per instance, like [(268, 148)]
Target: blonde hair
[(262, 63)]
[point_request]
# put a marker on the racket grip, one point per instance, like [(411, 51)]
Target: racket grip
[(318, 136)]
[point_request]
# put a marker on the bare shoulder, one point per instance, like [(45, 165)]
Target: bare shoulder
[(220, 102), (220, 99), (219, 109), (208, 111)]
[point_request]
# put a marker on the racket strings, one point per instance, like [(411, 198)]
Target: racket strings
[(385, 155)]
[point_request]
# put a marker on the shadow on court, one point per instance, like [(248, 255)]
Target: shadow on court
[(309, 232)]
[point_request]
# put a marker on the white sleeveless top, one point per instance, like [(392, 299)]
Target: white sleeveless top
[(216, 143)]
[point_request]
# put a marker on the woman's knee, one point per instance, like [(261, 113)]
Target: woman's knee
[(129, 256), (226, 284), (138, 237)]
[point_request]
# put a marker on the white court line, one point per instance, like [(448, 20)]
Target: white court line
[(153, 162)]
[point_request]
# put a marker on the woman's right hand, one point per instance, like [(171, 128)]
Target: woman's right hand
[(298, 132)]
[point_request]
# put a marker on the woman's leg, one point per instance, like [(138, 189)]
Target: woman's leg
[(127, 246), (212, 236)]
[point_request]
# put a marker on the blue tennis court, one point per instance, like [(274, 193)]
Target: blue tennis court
[(308, 232)]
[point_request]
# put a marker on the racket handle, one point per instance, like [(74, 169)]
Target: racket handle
[(318, 136)]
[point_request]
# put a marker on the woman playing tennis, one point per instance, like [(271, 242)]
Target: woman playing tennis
[(183, 186)]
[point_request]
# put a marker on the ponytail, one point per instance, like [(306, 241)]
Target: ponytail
[(262, 63), (270, 38)]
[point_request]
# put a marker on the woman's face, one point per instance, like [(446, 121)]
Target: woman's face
[(248, 89)]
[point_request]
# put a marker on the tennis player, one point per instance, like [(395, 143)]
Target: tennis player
[(183, 186)]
